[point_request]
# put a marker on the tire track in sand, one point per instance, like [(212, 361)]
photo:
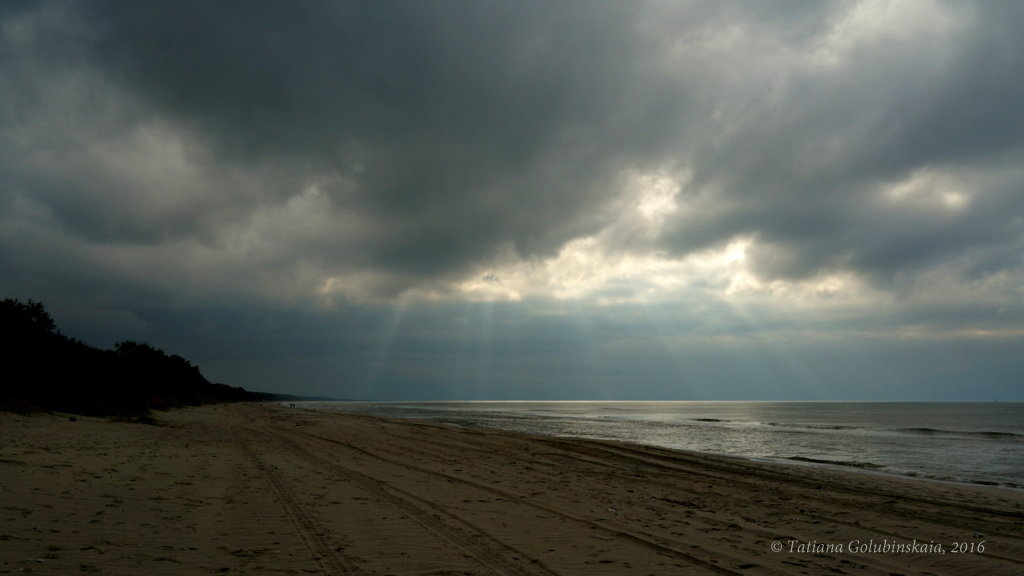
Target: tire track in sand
[(614, 532), (476, 543), (329, 558)]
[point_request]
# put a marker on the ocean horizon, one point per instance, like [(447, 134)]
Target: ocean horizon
[(969, 442)]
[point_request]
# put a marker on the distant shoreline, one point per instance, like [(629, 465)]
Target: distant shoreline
[(866, 437)]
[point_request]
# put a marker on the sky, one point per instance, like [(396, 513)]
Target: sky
[(532, 200)]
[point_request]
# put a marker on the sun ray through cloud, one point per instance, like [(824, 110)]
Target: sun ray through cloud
[(642, 186)]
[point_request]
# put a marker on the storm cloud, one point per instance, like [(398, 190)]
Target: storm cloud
[(495, 198)]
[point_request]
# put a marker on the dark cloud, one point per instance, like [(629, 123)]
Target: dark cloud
[(458, 130), (453, 128), (166, 159), (804, 169)]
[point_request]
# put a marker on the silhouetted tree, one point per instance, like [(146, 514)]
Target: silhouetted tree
[(26, 318), (28, 335), (48, 370)]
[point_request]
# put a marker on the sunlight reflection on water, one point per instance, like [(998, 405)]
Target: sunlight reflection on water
[(972, 442)]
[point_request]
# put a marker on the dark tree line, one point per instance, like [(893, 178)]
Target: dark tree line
[(46, 370)]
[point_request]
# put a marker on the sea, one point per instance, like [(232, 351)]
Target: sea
[(977, 443)]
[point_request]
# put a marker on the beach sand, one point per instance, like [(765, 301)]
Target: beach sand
[(267, 489)]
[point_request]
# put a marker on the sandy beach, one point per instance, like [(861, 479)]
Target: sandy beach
[(267, 489)]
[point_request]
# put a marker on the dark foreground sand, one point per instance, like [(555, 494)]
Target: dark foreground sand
[(262, 489)]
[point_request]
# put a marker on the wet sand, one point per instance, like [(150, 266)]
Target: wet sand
[(265, 489)]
